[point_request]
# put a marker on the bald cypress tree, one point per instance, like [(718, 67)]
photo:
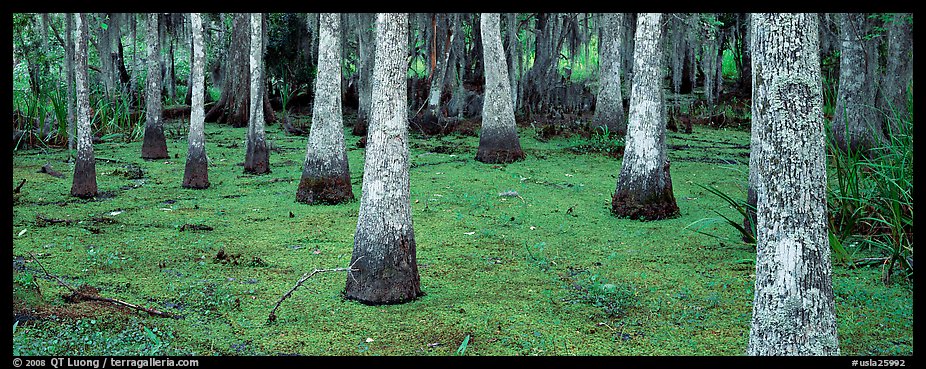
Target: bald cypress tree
[(154, 145), (609, 110), (196, 173), (793, 310), (498, 140), (84, 184), (257, 155), (384, 243), (644, 186), (325, 173)]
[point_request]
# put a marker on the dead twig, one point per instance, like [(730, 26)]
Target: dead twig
[(88, 296), (273, 317), (16, 190)]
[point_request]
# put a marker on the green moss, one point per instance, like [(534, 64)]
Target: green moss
[(675, 292)]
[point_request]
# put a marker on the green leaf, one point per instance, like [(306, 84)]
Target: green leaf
[(104, 26), (462, 350)]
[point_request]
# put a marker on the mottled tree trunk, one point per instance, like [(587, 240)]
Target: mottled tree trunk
[(793, 311), (514, 57), (899, 72), (84, 184), (609, 109), (196, 173), (384, 243), (367, 48), (644, 186), (154, 145), (325, 173), (630, 23), (709, 48), (71, 69), (441, 42), (498, 139), (233, 106), (857, 125), (257, 155)]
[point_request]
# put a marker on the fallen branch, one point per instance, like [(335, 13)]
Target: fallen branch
[(47, 170), (273, 317), (16, 190), (91, 296)]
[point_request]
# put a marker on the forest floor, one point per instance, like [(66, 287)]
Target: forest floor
[(547, 272)]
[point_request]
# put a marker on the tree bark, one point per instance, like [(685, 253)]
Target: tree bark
[(367, 48), (514, 56), (644, 186), (233, 106), (609, 109), (857, 125), (899, 72), (384, 243), (71, 69), (325, 173), (498, 139), (154, 145), (84, 183), (257, 155), (793, 310), (196, 173)]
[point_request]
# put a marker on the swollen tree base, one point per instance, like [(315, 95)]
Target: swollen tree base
[(154, 145), (386, 280), (629, 202), (325, 190), (257, 160), (499, 149), (84, 185), (196, 173)]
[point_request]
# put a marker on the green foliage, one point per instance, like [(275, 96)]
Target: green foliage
[(496, 268), (739, 204), (870, 197)]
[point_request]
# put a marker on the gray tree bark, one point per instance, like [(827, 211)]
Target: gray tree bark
[(899, 72), (233, 106), (514, 57), (257, 155), (644, 186), (609, 109), (498, 139), (154, 145), (384, 243), (325, 173), (196, 172), (71, 69), (857, 125), (793, 311), (367, 48), (84, 183)]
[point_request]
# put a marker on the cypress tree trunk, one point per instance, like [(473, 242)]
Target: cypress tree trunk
[(514, 57), (154, 145), (498, 139), (440, 52), (84, 183), (196, 173), (384, 243), (257, 156), (233, 106), (644, 186), (857, 125), (367, 48), (793, 311), (899, 72), (325, 174), (609, 109), (71, 69)]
